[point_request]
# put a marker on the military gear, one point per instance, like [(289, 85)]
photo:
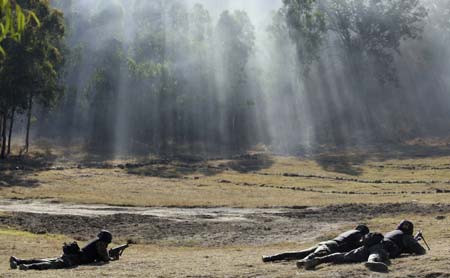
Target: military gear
[(105, 236), (13, 262), (404, 241), (419, 236), (71, 248), (374, 255), (391, 248), (309, 264), (343, 243), (363, 229), (321, 249), (372, 238), (406, 226), (117, 252), (94, 251), (377, 266), (66, 261)]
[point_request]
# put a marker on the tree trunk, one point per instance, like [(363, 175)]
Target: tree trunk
[(11, 125), (3, 154), (27, 138), (1, 128)]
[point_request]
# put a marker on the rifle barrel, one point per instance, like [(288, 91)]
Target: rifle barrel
[(424, 241)]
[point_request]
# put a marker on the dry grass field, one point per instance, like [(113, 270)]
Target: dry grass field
[(329, 187)]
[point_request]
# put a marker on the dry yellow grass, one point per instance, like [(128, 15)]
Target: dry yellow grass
[(264, 187), (236, 261), (260, 188)]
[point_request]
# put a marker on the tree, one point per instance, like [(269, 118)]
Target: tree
[(235, 40), (13, 21), (306, 25), (30, 72), (370, 32)]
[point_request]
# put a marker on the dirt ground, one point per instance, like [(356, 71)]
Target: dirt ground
[(212, 227), (215, 218), (213, 247)]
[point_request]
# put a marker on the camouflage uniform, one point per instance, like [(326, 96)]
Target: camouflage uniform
[(375, 254), (343, 243), (65, 261), (94, 251), (403, 238)]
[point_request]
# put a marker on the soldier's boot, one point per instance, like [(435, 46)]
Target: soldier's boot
[(301, 263), (13, 262), (377, 266), (309, 264)]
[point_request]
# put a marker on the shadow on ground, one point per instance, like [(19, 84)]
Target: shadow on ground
[(15, 170), (343, 164), (181, 166), (349, 160), (250, 163), (14, 179)]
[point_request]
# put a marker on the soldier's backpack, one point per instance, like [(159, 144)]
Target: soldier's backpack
[(71, 248), (372, 238)]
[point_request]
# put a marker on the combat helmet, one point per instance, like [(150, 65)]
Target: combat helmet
[(363, 229), (406, 226), (105, 236)]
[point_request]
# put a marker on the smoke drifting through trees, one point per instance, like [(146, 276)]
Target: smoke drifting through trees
[(166, 76)]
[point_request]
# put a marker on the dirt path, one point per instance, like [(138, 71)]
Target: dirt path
[(172, 226), (176, 214), (197, 226)]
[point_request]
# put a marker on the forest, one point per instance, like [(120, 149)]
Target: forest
[(225, 138), (178, 75)]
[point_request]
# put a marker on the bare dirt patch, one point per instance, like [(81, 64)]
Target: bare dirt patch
[(201, 226)]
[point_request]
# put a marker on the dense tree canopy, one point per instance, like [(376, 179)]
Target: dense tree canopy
[(167, 76)]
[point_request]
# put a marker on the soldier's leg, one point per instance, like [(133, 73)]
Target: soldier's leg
[(57, 263), (378, 261), (33, 261), (14, 262), (354, 256), (311, 263), (323, 249), (295, 255)]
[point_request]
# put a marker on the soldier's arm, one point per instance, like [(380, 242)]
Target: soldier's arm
[(102, 251), (413, 246)]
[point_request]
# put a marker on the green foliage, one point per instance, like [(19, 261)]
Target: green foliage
[(371, 31), (306, 25), (146, 70), (200, 27), (236, 39), (32, 68), (368, 31), (13, 21)]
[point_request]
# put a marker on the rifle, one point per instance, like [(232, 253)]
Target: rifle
[(117, 252), (419, 236)]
